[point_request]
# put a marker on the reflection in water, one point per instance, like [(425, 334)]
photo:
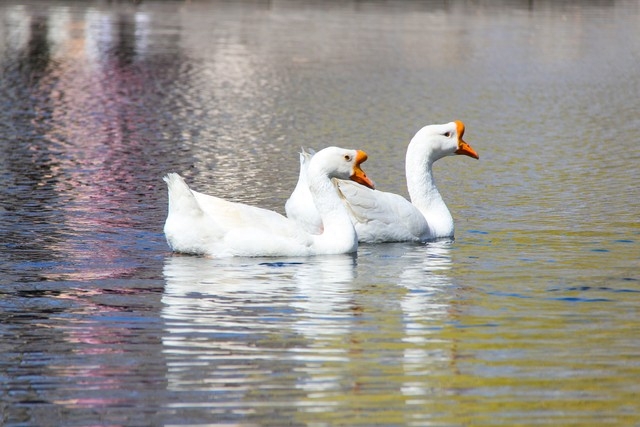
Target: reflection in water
[(231, 323), (426, 307), (239, 308), (79, 160), (75, 352)]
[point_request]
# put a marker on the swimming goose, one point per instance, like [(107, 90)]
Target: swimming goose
[(379, 216), (300, 205), (201, 224)]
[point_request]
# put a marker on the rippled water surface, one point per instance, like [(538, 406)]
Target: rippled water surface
[(530, 317)]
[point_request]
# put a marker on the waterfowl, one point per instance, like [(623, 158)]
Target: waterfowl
[(379, 216), (206, 225), (300, 205)]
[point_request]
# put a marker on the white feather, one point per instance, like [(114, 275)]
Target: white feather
[(379, 216)]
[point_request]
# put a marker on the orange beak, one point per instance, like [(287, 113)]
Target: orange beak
[(358, 174), (463, 147)]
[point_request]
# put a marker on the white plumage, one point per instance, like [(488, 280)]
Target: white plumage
[(379, 216), (201, 224)]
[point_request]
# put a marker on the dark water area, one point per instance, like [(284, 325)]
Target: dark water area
[(529, 317)]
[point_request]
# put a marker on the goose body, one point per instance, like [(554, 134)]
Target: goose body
[(380, 216), (301, 206), (201, 224)]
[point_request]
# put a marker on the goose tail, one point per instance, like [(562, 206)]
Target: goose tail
[(181, 199)]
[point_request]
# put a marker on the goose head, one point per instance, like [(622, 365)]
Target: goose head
[(437, 141), (340, 163)]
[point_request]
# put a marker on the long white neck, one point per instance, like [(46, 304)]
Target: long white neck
[(339, 235), (425, 195)]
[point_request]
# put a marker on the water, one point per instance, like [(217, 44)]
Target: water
[(530, 317)]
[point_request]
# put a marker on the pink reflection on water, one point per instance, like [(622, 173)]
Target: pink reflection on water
[(90, 115)]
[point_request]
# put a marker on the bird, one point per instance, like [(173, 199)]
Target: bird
[(201, 224), (300, 205), (380, 216)]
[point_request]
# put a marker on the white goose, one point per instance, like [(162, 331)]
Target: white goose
[(300, 205), (208, 225), (386, 217)]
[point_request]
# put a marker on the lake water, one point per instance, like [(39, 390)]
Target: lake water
[(531, 317)]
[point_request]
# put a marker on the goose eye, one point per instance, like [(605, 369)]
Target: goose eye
[(347, 157), (448, 134)]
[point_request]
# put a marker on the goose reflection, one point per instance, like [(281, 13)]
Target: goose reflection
[(236, 320), (427, 308), (393, 317), (238, 328)]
